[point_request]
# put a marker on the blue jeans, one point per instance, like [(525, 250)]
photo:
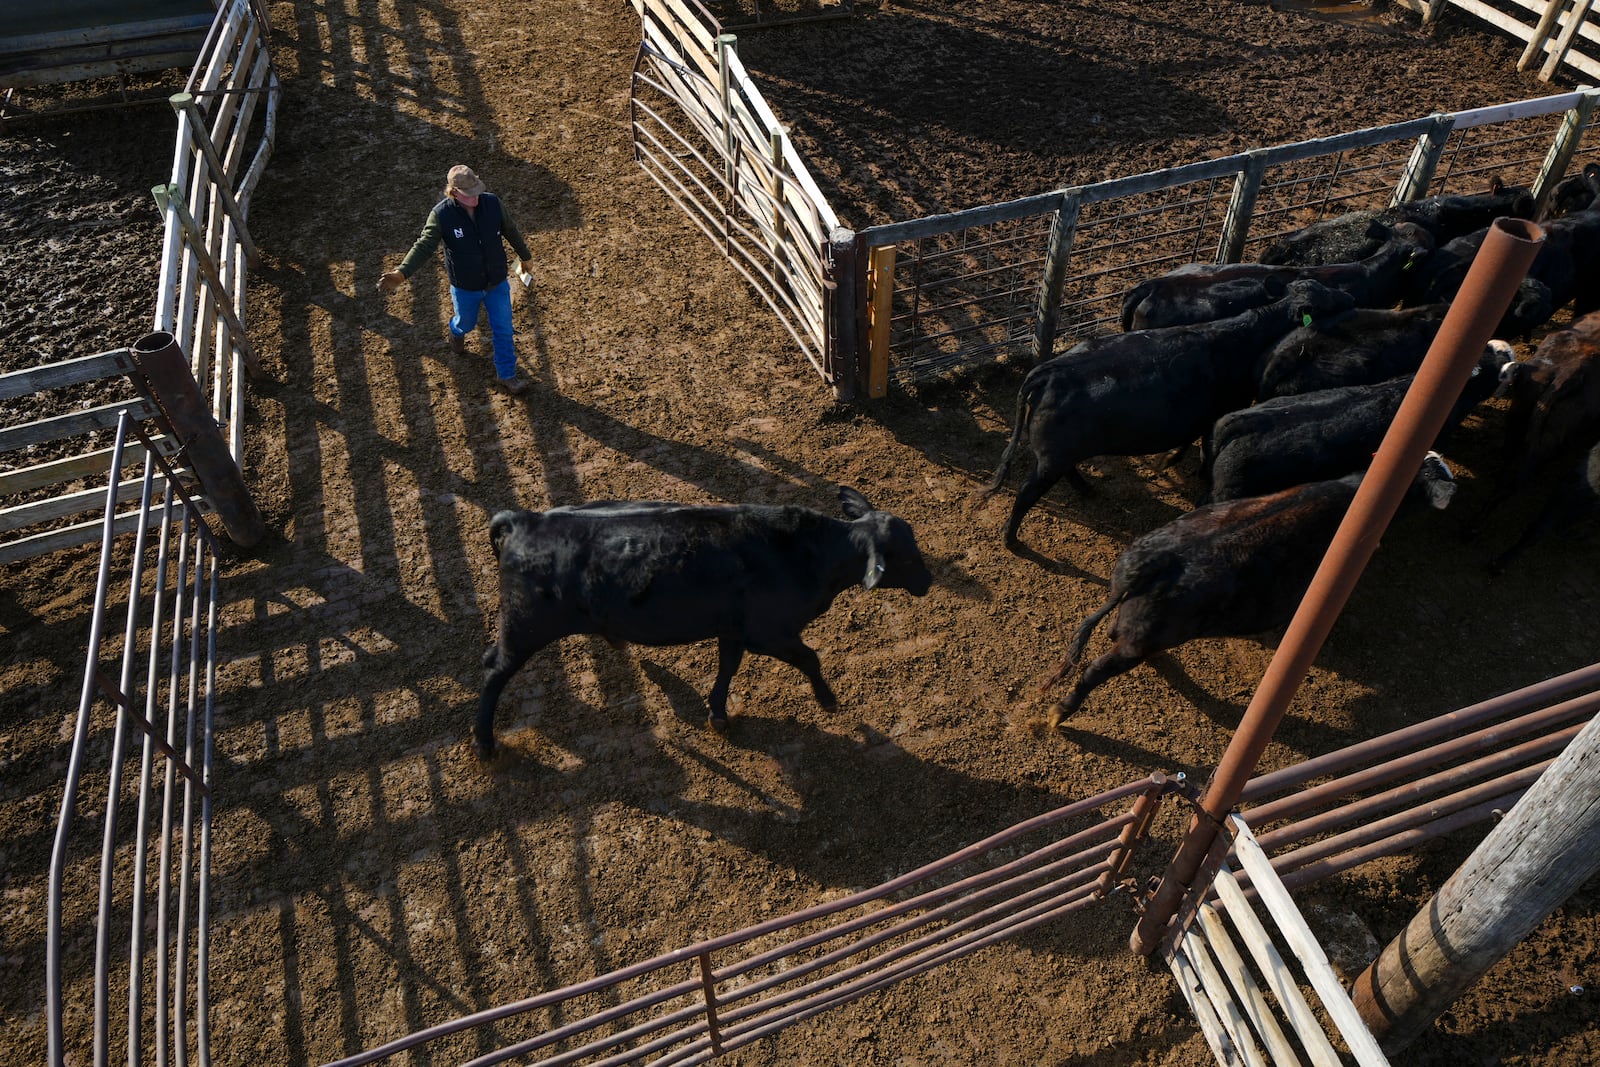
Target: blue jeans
[(498, 302)]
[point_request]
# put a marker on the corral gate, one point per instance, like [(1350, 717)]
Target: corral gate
[(703, 132), (200, 302)]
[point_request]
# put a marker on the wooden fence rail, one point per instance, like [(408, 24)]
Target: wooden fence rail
[(228, 105)]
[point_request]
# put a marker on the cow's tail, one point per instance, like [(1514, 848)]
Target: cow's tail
[(1081, 638), (1023, 417)]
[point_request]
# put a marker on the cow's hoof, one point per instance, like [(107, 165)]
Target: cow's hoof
[(484, 750), (720, 725), (1058, 715)]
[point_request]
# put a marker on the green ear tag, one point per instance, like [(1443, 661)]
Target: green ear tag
[(1305, 320)]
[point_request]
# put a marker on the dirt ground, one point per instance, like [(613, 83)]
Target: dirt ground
[(372, 878)]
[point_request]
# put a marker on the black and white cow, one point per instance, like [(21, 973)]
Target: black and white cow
[(749, 576), (1230, 569)]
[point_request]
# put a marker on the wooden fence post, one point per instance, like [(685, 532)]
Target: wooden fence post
[(1531, 862), (1562, 149), (880, 309), (1424, 161), (1558, 54), (845, 318), (1062, 230), (166, 370), (1541, 32), (1236, 225)]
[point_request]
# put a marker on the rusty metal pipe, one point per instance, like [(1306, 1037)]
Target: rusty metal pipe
[(1498, 269), (1405, 768), (161, 361)]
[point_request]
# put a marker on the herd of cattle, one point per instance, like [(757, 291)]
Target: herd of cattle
[(1288, 371)]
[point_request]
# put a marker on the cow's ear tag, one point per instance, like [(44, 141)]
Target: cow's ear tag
[(1305, 320), (874, 572)]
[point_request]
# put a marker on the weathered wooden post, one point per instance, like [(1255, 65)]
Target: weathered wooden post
[(1562, 149), (1424, 161), (1531, 862), (1558, 54), (1241, 206), (1063, 228), (166, 370), (1541, 33), (880, 309)]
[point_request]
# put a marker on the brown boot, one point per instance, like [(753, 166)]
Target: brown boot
[(458, 344), (513, 386)]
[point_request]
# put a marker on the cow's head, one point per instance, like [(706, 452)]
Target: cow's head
[(893, 559)]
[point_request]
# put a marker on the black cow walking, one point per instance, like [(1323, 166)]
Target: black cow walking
[(1222, 570), (656, 573)]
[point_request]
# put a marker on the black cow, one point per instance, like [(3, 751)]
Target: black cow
[(1564, 270), (1576, 192), (1204, 292), (1576, 498), (656, 573), (1133, 394), (1347, 238), (1446, 268), (1356, 347), (1311, 437), (1555, 406), (1223, 570)]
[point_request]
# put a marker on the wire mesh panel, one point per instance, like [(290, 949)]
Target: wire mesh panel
[(1298, 192), (965, 295), (1134, 237), (698, 1002)]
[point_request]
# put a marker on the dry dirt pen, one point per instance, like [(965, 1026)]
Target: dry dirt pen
[(608, 1007)]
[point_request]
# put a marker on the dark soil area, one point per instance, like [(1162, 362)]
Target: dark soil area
[(371, 877)]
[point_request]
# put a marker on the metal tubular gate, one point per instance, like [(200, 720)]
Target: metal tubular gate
[(201, 297), (161, 856), (1008, 279), (705, 135), (711, 1009)]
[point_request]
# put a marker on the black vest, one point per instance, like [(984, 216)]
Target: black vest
[(473, 255)]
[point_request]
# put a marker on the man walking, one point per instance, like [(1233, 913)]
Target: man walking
[(470, 221)]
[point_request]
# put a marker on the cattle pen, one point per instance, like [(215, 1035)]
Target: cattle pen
[(143, 918), (926, 297)]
